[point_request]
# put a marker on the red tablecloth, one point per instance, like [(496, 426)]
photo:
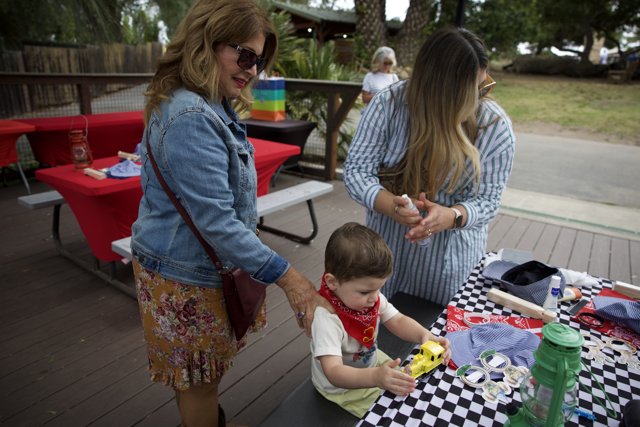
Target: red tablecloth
[(106, 209), (10, 130), (269, 156), (107, 134)]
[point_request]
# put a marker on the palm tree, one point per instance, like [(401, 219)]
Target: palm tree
[(370, 23), (411, 34)]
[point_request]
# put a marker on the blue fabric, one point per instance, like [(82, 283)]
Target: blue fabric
[(124, 169), (205, 158), (517, 344), (618, 310), (529, 281)]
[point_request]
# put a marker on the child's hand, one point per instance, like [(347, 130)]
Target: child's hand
[(393, 380), (447, 348), (443, 342)]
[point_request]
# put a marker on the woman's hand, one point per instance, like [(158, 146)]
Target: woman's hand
[(303, 297), (387, 377), (439, 218), (366, 96), (403, 215)]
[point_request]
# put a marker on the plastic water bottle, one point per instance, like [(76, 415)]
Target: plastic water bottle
[(409, 205), (551, 301)]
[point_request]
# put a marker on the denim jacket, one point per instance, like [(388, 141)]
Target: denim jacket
[(205, 158)]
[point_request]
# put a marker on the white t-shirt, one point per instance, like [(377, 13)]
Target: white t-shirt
[(375, 82), (329, 338)]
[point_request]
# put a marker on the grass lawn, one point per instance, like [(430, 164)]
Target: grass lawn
[(585, 105)]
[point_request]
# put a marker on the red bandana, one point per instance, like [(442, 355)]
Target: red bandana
[(360, 325)]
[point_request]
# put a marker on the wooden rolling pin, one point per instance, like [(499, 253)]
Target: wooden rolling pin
[(128, 156), (627, 289), (522, 306), (94, 173)]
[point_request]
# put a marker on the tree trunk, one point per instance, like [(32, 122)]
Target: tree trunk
[(410, 37), (588, 44), (370, 24)]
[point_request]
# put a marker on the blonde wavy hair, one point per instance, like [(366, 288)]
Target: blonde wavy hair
[(190, 60), (442, 98)]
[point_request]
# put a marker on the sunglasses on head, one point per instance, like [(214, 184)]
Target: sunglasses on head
[(487, 86), (248, 58)]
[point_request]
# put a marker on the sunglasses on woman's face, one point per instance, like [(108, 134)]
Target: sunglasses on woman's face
[(387, 63), (487, 86), (247, 58)]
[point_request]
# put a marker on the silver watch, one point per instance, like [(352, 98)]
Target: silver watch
[(457, 222)]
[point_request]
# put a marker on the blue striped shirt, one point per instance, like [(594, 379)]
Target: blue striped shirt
[(435, 272)]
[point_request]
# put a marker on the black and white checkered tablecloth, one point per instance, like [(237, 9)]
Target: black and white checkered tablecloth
[(443, 400)]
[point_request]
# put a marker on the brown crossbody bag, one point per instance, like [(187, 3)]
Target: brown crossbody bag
[(243, 295)]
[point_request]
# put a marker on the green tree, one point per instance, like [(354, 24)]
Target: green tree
[(61, 21), (172, 12), (138, 27), (502, 24), (573, 23)]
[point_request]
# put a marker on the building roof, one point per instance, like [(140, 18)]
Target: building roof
[(319, 15)]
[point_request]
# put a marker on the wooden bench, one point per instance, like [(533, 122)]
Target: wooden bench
[(305, 403), (41, 200), (267, 204), (55, 199), (45, 200)]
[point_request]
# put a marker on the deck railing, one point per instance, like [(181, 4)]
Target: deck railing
[(18, 90)]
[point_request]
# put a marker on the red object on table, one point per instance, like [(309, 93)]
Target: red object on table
[(10, 130), (106, 209), (608, 327), (269, 156), (107, 133)]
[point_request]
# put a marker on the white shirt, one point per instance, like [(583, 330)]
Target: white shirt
[(329, 338), (375, 82)]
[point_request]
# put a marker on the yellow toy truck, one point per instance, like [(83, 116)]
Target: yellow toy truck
[(428, 358)]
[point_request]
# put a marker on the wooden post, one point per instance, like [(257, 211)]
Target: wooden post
[(84, 98), (333, 130)]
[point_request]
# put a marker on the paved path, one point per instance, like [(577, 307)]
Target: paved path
[(586, 170), (593, 185)]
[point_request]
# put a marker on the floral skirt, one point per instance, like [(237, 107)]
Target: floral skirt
[(189, 338)]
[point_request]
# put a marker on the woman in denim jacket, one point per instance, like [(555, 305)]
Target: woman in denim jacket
[(205, 158)]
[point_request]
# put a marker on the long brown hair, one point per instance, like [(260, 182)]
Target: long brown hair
[(442, 98), (190, 59)]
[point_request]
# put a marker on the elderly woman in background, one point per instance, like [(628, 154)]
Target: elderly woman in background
[(381, 74)]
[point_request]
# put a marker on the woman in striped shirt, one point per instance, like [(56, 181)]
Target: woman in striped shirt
[(442, 141)]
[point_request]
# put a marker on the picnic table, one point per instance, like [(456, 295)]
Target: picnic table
[(106, 133), (292, 132), (442, 399), (10, 131), (105, 209)]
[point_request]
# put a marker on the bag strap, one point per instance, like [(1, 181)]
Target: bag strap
[(183, 212)]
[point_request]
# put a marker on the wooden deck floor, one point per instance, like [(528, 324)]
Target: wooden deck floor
[(72, 349)]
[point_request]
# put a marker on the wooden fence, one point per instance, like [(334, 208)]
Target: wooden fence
[(113, 58), (341, 97)]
